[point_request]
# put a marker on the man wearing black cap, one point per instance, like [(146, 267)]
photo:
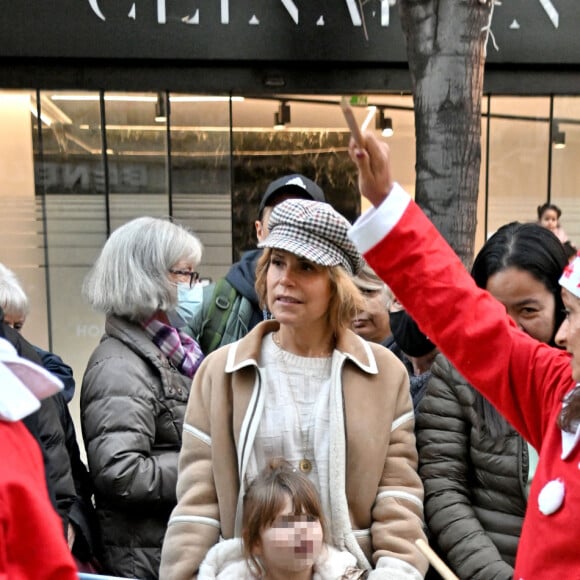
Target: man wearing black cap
[(230, 307)]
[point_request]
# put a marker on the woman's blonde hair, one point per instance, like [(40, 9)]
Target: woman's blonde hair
[(345, 301), (265, 498)]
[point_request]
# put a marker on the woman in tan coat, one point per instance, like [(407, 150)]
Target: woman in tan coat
[(304, 387)]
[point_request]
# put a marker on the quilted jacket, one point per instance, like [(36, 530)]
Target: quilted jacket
[(132, 407)]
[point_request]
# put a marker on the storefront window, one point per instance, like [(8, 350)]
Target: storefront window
[(137, 160), (311, 138), (200, 146), (22, 240), (565, 174), (71, 186), (518, 159)]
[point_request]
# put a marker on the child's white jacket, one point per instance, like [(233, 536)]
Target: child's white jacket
[(225, 561)]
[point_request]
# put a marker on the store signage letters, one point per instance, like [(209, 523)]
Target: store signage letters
[(289, 5), (293, 12), (267, 31)]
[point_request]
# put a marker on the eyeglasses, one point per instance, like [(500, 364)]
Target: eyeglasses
[(186, 276)]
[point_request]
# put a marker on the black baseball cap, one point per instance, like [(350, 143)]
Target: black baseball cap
[(294, 186)]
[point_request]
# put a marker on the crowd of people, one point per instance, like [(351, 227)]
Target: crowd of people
[(339, 395)]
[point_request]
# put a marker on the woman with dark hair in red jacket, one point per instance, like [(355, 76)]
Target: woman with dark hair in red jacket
[(531, 383)]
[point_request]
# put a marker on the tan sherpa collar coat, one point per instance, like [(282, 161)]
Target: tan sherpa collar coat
[(376, 496)]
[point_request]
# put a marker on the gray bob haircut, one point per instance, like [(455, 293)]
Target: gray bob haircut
[(13, 299), (130, 278)]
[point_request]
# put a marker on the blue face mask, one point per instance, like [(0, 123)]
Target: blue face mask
[(188, 304)]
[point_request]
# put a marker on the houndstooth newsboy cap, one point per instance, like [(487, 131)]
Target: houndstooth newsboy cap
[(312, 230)]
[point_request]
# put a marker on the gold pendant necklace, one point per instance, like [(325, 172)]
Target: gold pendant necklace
[(304, 464)]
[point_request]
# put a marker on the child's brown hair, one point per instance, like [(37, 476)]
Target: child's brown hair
[(264, 499)]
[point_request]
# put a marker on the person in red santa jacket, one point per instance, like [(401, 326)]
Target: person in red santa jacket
[(32, 544), (532, 384)]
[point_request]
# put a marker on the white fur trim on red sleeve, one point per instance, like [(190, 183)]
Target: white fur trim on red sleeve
[(373, 225)]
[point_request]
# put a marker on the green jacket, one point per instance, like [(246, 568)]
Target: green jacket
[(224, 317)]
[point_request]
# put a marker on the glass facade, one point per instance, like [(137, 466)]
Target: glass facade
[(77, 165)]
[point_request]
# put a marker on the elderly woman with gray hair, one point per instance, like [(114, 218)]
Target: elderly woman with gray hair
[(304, 387), (136, 387)]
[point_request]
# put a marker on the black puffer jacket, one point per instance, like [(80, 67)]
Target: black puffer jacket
[(474, 485), (69, 485), (81, 513), (132, 406), (52, 438)]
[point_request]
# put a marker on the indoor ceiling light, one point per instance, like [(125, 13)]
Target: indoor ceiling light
[(49, 112), (282, 115), (384, 124), (372, 111), (46, 119), (148, 99), (204, 99), (160, 109), (558, 137)]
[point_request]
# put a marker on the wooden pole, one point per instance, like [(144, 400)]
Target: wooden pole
[(435, 560)]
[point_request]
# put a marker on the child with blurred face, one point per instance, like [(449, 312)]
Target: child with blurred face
[(283, 534), (288, 545)]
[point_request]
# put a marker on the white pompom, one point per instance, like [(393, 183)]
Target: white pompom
[(551, 497)]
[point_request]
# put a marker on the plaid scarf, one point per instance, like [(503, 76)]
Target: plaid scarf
[(179, 348)]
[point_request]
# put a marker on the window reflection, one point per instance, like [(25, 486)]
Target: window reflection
[(21, 233), (70, 181), (565, 177), (136, 156), (518, 158), (201, 175)]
